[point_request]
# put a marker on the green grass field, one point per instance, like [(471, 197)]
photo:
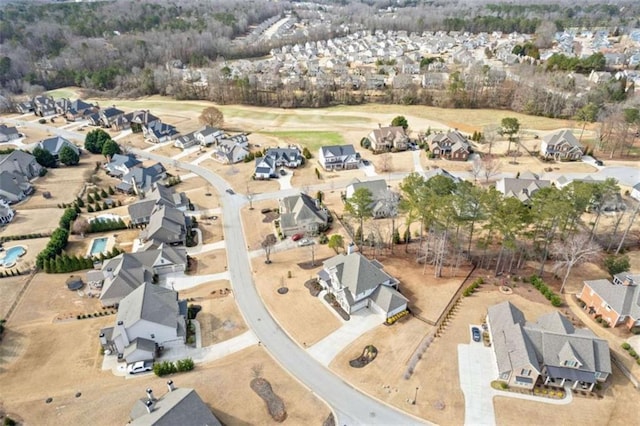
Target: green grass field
[(313, 140)]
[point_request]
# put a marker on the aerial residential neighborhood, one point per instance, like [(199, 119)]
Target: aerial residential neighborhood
[(175, 249)]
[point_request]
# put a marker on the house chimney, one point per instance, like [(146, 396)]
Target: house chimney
[(628, 281), (379, 126), (123, 332), (149, 404), (170, 385), (350, 248), (150, 394), (103, 339), (109, 273)]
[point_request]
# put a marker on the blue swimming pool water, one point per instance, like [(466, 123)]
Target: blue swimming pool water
[(98, 246), (12, 254)]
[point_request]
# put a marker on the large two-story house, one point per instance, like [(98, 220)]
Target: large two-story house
[(149, 317), (8, 133), (451, 145), (74, 110), (521, 188), (140, 211), (55, 144), (358, 283), (338, 157), (158, 132), (122, 164), (562, 145), (302, 214), (16, 170), (267, 165), (388, 138), (617, 302), (550, 351)]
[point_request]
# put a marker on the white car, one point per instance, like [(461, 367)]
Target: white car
[(305, 242), (140, 367)]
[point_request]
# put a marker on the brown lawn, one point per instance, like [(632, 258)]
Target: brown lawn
[(32, 221), (211, 262), (257, 225), (37, 363), (305, 318), (9, 289), (219, 318)]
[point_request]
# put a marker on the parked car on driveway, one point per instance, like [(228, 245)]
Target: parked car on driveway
[(296, 237), (140, 367), (475, 333), (305, 242)]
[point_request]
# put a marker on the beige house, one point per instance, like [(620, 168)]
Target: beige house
[(388, 139)]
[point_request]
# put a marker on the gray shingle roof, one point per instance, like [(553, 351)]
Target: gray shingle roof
[(338, 150), (182, 407), (388, 298), (55, 144), (357, 273), (166, 224), (299, 209), (624, 299), (547, 342), (149, 302)]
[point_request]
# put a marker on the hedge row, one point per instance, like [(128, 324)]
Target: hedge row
[(22, 237), (167, 367), (65, 263), (106, 225), (537, 282), (472, 288), (57, 243)]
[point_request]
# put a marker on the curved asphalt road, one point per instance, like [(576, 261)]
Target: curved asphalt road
[(350, 406)]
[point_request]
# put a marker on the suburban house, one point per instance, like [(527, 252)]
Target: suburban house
[(149, 317), (562, 145), (388, 138), (121, 164), (43, 106), (179, 406), (127, 271), (108, 116), (25, 107), (158, 132), (522, 189), (232, 150), (617, 302), (338, 157), (204, 137), (385, 201), (6, 212), (440, 172), (141, 179), (74, 110), (8, 133), (16, 169), (55, 144), (135, 120), (451, 145), (140, 211), (357, 283), (550, 351), (302, 214), (167, 225), (267, 165)]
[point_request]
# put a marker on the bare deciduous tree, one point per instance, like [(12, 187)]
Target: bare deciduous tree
[(267, 245), (573, 251), (490, 167), (212, 116), (80, 226), (476, 168), (385, 162)]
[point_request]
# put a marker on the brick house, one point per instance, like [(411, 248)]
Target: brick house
[(617, 302)]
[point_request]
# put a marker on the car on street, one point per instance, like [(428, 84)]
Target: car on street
[(230, 191), (305, 242), (140, 367), (475, 333), (296, 237)]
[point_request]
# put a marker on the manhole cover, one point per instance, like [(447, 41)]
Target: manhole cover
[(283, 290), (48, 400)]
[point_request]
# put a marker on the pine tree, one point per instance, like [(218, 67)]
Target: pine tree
[(59, 266), (98, 208), (79, 202), (89, 199), (104, 205), (111, 190), (96, 196), (103, 194)]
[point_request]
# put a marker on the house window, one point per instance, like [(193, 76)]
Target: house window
[(608, 308), (573, 364), (504, 376), (525, 372)]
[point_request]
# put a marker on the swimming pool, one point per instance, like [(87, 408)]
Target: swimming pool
[(98, 246), (12, 254)]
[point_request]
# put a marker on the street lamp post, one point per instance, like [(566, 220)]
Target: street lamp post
[(415, 396)]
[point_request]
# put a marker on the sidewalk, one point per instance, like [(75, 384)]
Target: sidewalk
[(362, 321), (179, 281)]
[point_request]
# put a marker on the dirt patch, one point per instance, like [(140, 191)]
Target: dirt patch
[(211, 262), (274, 403)]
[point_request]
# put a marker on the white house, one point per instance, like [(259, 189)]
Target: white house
[(149, 317), (339, 157)]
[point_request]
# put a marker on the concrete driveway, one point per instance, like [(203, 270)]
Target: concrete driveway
[(477, 369), (362, 321)]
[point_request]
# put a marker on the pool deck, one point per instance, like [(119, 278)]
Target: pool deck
[(108, 247)]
